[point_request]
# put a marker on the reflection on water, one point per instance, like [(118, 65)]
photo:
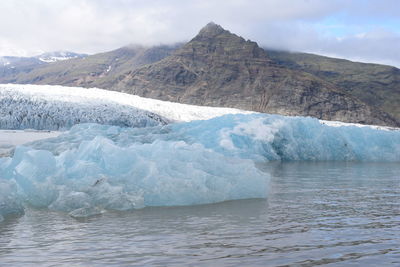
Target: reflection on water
[(316, 213)]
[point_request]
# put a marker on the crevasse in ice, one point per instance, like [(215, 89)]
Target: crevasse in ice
[(93, 168)]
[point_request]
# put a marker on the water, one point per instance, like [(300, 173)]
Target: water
[(334, 214)]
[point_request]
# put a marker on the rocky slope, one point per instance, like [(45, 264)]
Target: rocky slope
[(13, 67), (377, 85), (218, 68), (93, 71)]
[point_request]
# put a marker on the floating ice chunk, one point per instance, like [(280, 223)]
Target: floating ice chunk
[(273, 137), (257, 136), (93, 167), (100, 175)]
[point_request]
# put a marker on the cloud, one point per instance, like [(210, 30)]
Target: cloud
[(29, 27), (377, 45)]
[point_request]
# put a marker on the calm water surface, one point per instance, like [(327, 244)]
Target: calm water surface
[(333, 214)]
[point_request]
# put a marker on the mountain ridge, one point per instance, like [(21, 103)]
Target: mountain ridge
[(219, 68)]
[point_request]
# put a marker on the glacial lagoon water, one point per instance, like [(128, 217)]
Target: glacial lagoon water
[(315, 213)]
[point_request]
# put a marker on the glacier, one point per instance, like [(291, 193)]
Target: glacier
[(51, 107), (93, 168), (27, 110)]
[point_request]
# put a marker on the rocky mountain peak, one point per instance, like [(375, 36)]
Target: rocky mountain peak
[(213, 42), (211, 30)]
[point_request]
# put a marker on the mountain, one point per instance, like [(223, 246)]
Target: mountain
[(12, 67), (219, 68), (377, 85), (95, 70)]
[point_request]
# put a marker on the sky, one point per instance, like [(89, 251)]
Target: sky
[(360, 30)]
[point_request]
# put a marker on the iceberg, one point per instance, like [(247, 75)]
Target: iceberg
[(93, 168), (100, 175), (259, 137), (275, 137)]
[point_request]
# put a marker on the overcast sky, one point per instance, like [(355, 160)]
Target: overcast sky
[(363, 30)]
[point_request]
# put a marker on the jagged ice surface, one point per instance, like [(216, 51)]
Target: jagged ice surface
[(93, 167), (24, 109), (45, 107), (100, 175)]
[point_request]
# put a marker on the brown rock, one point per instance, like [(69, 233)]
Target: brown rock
[(218, 68)]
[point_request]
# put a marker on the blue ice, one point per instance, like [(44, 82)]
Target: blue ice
[(93, 168)]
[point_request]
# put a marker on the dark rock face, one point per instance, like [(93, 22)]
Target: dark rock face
[(377, 85), (218, 68)]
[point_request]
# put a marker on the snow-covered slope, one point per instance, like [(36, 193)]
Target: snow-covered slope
[(58, 107)]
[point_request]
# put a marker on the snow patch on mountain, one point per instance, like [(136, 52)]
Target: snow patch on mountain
[(50, 57)]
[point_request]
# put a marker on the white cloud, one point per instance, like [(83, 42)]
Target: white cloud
[(30, 26)]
